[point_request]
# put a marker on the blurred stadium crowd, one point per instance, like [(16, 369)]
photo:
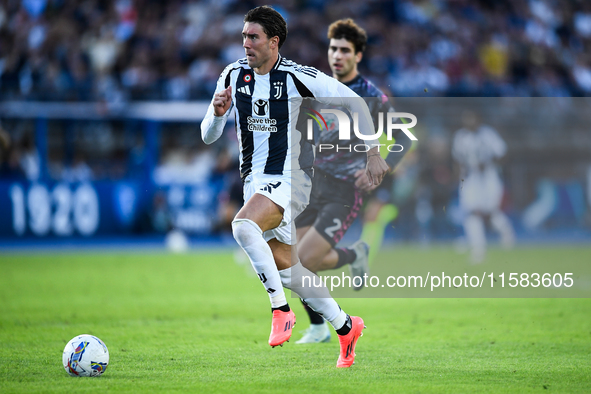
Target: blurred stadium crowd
[(122, 50)]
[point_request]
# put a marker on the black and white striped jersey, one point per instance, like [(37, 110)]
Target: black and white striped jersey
[(266, 110)]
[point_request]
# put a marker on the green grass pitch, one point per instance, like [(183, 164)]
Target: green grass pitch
[(200, 323)]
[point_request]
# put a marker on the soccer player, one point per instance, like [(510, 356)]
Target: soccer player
[(275, 160), (476, 148), (339, 178)]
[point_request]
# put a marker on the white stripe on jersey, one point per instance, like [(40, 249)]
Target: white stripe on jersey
[(262, 94)]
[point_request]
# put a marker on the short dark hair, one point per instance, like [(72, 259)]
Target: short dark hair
[(350, 31), (270, 20)]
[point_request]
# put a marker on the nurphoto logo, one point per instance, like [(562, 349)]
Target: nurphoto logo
[(345, 129)]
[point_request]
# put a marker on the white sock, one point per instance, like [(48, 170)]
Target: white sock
[(339, 321), (500, 222), (476, 235), (278, 300), (317, 298), (250, 237)]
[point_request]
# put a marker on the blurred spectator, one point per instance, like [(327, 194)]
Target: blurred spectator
[(582, 76), (79, 171), (4, 144), (156, 218), (230, 198), (29, 159), (435, 186), (160, 216), (9, 158), (181, 165)]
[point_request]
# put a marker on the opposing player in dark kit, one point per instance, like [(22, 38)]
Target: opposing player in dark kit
[(339, 178)]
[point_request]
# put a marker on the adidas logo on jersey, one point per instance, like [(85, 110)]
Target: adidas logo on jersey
[(245, 90)]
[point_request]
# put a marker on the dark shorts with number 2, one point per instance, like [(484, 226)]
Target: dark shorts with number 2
[(334, 205)]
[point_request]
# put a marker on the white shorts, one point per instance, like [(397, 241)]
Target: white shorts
[(481, 192), (290, 191)]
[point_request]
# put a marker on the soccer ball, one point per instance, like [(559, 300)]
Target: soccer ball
[(85, 355)]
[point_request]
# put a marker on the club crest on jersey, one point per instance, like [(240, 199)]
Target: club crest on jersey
[(278, 89)]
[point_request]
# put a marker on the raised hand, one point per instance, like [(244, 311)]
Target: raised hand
[(222, 101)]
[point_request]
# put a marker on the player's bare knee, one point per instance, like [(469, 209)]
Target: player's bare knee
[(262, 211)]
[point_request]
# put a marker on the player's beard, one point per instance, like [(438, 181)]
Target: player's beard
[(253, 62), (344, 71), (258, 60)]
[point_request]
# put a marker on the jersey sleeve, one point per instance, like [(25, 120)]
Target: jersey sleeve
[(332, 92), (212, 126), (399, 138), (495, 143)]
